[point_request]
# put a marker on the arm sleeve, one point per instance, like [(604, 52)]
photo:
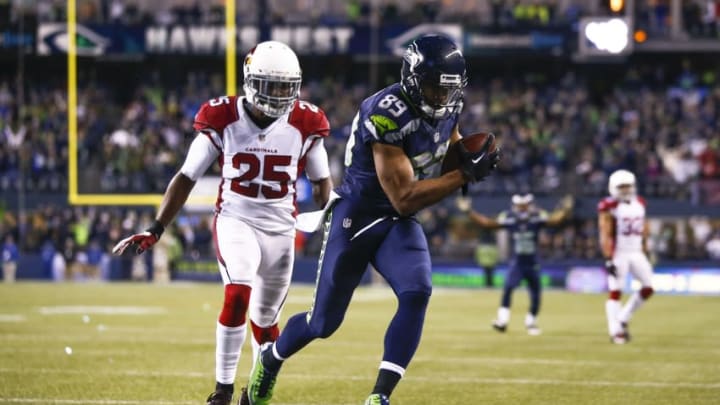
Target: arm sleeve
[(317, 167), (200, 156)]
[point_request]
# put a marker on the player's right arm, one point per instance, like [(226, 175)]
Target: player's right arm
[(606, 225), (397, 179), (205, 148), (200, 156)]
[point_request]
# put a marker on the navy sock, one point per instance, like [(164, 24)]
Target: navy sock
[(386, 382), (224, 387), (403, 335)]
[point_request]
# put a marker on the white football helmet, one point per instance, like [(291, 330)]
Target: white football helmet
[(272, 78), (618, 179)]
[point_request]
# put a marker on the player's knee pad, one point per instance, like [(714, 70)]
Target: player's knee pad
[(614, 294), (264, 334), (646, 292), (237, 298)]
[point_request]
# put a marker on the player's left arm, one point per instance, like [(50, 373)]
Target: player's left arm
[(562, 213), (318, 172)]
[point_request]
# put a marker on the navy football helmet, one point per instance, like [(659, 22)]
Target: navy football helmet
[(433, 75)]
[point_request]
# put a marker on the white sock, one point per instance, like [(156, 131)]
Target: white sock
[(529, 320), (255, 347), (228, 343), (503, 315), (632, 305), (612, 307)]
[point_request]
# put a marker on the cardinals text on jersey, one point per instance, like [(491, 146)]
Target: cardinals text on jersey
[(260, 166)]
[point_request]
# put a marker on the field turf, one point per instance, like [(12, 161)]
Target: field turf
[(131, 344)]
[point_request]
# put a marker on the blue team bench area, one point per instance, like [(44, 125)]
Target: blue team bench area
[(573, 275)]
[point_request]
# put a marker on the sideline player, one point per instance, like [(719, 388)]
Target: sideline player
[(524, 222), (624, 242), (399, 138), (262, 141)]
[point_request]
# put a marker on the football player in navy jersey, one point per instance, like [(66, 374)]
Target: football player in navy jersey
[(393, 157), (524, 222)]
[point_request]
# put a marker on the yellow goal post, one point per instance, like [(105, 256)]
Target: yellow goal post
[(198, 197)]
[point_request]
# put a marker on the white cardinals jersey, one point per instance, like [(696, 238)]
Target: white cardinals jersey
[(628, 225), (259, 165)]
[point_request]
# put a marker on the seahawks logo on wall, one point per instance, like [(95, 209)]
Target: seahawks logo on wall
[(53, 38), (400, 43)]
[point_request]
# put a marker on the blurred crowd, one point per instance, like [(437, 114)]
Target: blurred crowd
[(75, 243), (700, 18), (557, 135)]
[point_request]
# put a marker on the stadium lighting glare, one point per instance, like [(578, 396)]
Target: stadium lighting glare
[(640, 36), (610, 36), (617, 5)]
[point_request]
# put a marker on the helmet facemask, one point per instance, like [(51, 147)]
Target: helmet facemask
[(438, 99), (625, 192), (272, 95)]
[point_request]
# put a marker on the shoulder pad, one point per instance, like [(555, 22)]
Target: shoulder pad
[(216, 114), (309, 119), (607, 204)]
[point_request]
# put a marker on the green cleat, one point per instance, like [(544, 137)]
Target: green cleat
[(377, 399), (262, 381)]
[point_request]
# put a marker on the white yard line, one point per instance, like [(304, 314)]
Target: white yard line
[(99, 309), (12, 318), (60, 401), (90, 401), (446, 379)]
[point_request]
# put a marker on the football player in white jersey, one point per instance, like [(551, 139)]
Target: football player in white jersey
[(262, 142), (623, 240)]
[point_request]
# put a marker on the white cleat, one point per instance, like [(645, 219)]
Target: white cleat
[(533, 330)]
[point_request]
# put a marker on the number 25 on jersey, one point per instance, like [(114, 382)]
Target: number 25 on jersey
[(270, 173)]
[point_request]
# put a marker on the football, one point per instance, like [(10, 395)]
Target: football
[(472, 143)]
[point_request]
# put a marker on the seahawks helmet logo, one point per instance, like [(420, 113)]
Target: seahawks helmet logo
[(413, 57)]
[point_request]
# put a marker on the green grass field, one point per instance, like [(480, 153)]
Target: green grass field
[(160, 349)]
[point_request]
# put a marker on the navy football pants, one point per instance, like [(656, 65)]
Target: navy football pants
[(515, 275), (397, 248)]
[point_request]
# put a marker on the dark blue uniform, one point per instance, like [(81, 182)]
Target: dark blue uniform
[(363, 228), (524, 230)]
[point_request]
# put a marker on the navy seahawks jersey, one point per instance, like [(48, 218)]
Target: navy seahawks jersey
[(524, 231), (388, 117)]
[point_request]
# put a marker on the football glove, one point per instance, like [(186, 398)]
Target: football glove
[(475, 166), (610, 268), (143, 240)]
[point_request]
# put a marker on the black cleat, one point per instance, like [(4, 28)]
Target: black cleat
[(499, 327), (625, 330), (220, 397), (244, 399)]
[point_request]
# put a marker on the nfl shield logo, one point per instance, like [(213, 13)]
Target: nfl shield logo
[(436, 137), (347, 223)]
